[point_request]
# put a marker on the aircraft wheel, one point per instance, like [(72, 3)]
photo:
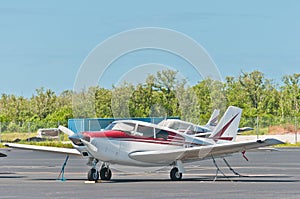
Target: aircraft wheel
[(105, 174), (93, 175), (175, 175)]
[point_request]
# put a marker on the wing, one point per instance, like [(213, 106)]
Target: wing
[(43, 148), (199, 153)]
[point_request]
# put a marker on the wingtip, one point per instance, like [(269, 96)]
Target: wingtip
[(274, 141)]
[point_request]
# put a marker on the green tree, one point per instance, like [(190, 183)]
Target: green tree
[(290, 98), (120, 100), (165, 85), (103, 103), (203, 91), (44, 102)]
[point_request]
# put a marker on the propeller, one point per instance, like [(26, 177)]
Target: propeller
[(89, 145), (78, 139)]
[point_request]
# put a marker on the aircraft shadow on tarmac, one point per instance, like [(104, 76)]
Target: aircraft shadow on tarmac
[(9, 175), (252, 178), (278, 179)]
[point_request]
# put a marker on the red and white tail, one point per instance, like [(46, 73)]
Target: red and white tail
[(226, 129), (213, 120)]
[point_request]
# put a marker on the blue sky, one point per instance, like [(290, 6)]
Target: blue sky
[(43, 43)]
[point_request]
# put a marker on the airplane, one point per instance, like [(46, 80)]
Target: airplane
[(190, 128), (197, 130), (137, 143)]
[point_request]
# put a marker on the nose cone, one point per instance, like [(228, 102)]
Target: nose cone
[(76, 139), (86, 136)]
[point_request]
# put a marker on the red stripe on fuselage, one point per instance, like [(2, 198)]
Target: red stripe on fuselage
[(107, 134), (224, 138), (172, 137)]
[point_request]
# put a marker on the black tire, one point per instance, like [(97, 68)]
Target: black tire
[(93, 175), (175, 175), (105, 174)]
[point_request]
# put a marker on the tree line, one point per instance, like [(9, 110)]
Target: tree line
[(162, 95)]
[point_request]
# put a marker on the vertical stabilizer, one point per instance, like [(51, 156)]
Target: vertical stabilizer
[(227, 127), (213, 120)]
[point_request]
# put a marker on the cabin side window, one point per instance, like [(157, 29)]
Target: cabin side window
[(162, 134), (145, 131)]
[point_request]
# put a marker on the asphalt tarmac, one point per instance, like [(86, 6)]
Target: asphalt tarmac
[(31, 174)]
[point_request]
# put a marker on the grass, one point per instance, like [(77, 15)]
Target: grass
[(288, 145), (261, 131), (46, 143), (10, 137)]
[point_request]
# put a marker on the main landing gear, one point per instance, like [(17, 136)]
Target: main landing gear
[(105, 172), (175, 175), (177, 170)]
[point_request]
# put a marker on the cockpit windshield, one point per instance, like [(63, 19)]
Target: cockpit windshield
[(121, 126), (136, 129)]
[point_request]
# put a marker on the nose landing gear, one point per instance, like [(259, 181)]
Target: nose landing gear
[(93, 175), (105, 172)]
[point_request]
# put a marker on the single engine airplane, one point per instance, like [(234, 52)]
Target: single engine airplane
[(136, 143), (197, 130), (193, 129)]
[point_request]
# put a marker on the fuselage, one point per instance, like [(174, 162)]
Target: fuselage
[(121, 138)]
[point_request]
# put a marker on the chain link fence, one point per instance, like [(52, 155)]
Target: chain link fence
[(261, 125)]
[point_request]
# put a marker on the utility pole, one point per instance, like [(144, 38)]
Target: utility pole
[(0, 131), (28, 132), (257, 127), (58, 133), (296, 138)]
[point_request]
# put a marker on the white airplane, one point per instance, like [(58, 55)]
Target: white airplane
[(213, 120), (136, 143), (197, 130), (193, 129)]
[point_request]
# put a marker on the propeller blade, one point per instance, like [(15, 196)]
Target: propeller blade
[(66, 130)]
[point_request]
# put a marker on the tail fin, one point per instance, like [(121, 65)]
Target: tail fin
[(213, 120), (227, 128)]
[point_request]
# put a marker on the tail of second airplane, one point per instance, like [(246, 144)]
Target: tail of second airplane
[(213, 120), (227, 127)]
